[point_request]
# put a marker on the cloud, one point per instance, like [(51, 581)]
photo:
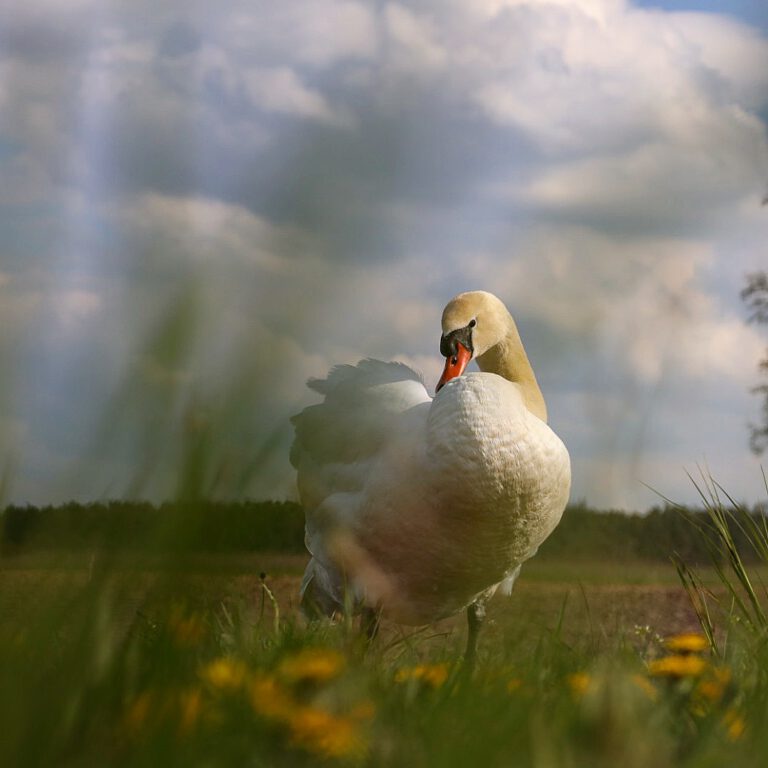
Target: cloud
[(315, 33), (207, 232), (415, 48), (327, 173), (75, 306), (279, 89), (668, 328), (637, 190), (26, 180), (20, 299), (731, 52)]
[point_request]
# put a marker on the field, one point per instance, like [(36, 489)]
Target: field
[(198, 660), (604, 600)]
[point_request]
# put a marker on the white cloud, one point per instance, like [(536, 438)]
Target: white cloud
[(318, 33), (732, 52), (593, 77), (599, 10), (279, 89), (209, 232), (671, 330), (661, 182), (415, 47)]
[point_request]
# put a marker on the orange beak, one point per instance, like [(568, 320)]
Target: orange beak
[(454, 365)]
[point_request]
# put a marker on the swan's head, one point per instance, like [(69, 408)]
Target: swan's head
[(473, 322)]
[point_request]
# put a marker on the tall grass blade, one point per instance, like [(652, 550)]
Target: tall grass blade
[(698, 597), (724, 518)]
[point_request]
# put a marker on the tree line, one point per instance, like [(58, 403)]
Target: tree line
[(275, 526), (129, 525)]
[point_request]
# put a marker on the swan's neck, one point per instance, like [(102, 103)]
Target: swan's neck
[(508, 359)]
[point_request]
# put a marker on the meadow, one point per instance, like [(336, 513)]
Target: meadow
[(142, 658)]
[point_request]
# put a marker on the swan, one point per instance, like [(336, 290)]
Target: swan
[(419, 507)]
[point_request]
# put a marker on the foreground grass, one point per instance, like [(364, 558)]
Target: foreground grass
[(124, 667)]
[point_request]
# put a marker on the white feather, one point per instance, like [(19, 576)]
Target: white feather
[(416, 505)]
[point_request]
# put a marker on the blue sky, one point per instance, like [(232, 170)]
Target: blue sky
[(308, 183), (752, 12)]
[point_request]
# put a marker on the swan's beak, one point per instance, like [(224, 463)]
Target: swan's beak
[(454, 365)]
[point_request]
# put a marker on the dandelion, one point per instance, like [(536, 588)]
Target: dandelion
[(734, 725), (315, 665), (190, 708), (270, 700), (677, 665), (431, 674), (689, 642), (579, 683), (225, 674), (712, 688), (321, 733), (514, 684)]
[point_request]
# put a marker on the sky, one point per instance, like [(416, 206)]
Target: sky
[(205, 204)]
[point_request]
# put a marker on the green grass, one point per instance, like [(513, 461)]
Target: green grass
[(145, 662)]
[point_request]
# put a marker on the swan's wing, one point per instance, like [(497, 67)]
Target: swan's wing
[(335, 439), (335, 444), (356, 414)]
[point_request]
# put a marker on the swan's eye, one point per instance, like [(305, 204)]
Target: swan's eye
[(472, 323)]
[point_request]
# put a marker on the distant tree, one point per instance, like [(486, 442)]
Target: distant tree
[(755, 296)]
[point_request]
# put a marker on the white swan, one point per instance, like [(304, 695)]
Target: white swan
[(419, 507)]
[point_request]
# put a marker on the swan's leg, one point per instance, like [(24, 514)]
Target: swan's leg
[(475, 618), (370, 623)]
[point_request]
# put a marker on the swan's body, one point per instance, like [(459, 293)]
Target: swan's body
[(422, 506)]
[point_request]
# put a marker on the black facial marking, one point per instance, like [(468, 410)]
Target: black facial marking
[(448, 343)]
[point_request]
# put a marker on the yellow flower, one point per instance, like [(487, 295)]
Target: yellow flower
[(579, 683), (316, 665), (321, 733), (690, 642), (646, 686), (677, 665), (190, 707), (270, 700), (734, 725), (225, 674), (713, 688), (431, 674), (514, 684), (137, 713)]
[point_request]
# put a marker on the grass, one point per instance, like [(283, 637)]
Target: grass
[(145, 663), (198, 660)]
